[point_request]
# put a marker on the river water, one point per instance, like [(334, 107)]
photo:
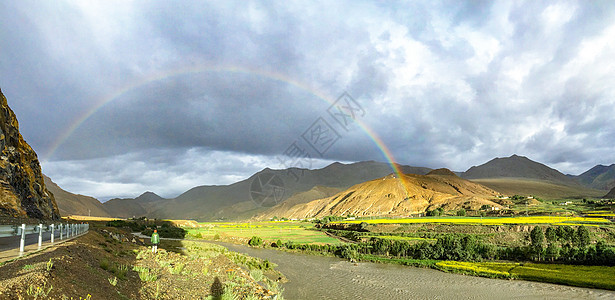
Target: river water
[(317, 277)]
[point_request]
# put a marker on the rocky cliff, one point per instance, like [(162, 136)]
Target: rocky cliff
[(22, 189)]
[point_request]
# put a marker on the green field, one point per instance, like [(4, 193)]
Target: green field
[(271, 231), (488, 221), (400, 238), (583, 276)]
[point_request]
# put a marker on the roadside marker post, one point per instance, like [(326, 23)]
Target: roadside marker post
[(61, 228), (40, 235), (22, 242), (52, 233)]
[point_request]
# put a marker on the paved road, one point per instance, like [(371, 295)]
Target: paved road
[(9, 246)]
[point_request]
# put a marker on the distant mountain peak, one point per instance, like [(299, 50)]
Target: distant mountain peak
[(148, 193), (517, 166), (149, 196), (442, 171)]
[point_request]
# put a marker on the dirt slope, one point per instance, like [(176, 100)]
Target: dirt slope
[(391, 196), (538, 188), (92, 265), (318, 192)]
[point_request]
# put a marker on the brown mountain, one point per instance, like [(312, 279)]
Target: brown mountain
[(610, 194), (137, 207), (392, 196), (599, 177), (22, 188), (74, 204), (517, 167)]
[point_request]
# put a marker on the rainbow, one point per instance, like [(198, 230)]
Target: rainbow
[(216, 68)]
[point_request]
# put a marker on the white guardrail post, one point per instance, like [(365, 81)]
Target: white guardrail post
[(52, 233), (22, 242), (40, 235)]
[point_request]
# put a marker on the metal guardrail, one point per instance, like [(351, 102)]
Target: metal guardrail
[(65, 230)]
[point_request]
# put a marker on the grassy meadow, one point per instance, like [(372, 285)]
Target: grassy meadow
[(271, 231)]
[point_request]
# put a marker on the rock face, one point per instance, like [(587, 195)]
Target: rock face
[(22, 189)]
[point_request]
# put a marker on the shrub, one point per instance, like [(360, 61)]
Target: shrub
[(113, 281), (256, 274), (178, 269), (104, 264), (255, 241), (461, 212), (167, 231)]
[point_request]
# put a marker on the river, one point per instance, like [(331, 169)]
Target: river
[(317, 277)]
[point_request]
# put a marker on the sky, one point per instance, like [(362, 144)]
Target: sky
[(122, 97)]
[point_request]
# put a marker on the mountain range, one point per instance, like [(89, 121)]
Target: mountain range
[(299, 187)]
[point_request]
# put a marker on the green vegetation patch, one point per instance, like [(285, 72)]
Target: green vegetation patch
[(298, 232), (575, 275)]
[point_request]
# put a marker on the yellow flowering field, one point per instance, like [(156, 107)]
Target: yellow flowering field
[(487, 221)]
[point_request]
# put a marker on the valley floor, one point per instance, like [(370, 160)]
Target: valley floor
[(484, 246)]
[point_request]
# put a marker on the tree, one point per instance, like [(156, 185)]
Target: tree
[(582, 237), (569, 236), (537, 237), (551, 234), (363, 226), (552, 251)]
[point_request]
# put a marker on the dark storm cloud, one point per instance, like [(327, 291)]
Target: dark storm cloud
[(442, 83)]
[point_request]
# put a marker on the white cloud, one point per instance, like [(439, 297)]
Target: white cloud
[(165, 172), (443, 85)]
